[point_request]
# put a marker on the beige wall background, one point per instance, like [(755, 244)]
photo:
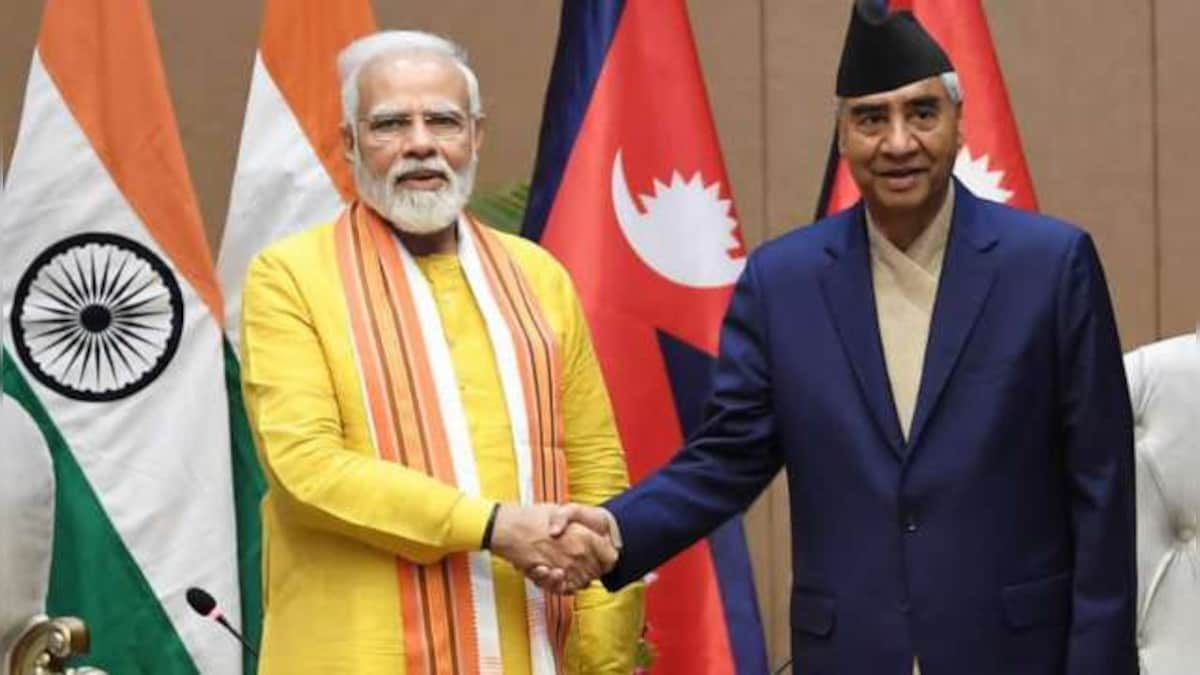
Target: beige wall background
[(1103, 91)]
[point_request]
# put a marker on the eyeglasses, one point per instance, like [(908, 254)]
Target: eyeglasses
[(387, 128)]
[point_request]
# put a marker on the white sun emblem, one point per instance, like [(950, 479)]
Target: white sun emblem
[(979, 178), (686, 233)]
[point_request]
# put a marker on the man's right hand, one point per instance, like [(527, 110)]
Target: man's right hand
[(562, 561), (568, 520), (595, 518)]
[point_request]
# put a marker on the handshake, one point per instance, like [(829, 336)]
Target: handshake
[(561, 548)]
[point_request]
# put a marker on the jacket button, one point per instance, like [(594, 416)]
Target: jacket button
[(910, 522)]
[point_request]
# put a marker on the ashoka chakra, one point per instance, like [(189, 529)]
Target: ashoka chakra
[(97, 317)]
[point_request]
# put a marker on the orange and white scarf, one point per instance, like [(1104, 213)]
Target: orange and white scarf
[(417, 419)]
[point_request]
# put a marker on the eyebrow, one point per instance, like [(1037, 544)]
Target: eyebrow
[(923, 102), (384, 110)]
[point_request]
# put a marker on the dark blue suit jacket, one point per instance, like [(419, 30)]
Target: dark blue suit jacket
[(1000, 538)]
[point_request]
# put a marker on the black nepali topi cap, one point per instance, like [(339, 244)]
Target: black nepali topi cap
[(885, 51)]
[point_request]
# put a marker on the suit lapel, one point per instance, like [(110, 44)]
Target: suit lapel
[(850, 299), (967, 275)]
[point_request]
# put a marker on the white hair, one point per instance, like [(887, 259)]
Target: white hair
[(365, 50), (953, 86)]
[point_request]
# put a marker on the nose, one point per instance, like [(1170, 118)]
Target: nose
[(899, 139), (419, 143)]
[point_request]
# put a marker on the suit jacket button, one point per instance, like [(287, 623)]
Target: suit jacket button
[(910, 522)]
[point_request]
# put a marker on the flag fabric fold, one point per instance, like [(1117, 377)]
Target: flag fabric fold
[(630, 193), (113, 346), (27, 493)]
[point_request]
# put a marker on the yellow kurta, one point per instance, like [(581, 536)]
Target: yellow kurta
[(335, 515)]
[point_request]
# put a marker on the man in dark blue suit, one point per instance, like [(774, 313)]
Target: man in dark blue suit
[(941, 377)]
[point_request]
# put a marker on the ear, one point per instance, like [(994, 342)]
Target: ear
[(480, 127), (958, 109), (839, 119), (348, 143)]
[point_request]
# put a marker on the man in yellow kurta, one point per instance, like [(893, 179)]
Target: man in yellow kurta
[(417, 384)]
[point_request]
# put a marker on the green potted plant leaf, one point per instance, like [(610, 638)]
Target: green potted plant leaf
[(503, 208)]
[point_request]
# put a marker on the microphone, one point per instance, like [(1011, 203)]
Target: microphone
[(204, 605)]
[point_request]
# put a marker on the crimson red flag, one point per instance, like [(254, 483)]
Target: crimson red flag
[(630, 193)]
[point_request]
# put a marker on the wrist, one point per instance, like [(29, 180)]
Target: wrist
[(614, 529), (490, 529)]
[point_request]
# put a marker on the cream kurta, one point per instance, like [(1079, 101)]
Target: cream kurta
[(906, 284), (336, 515)]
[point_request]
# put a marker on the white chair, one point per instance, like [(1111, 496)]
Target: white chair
[(1164, 385)]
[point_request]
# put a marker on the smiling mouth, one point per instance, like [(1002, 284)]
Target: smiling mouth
[(901, 173)]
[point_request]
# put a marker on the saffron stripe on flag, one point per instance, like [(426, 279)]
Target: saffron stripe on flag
[(111, 83), (305, 70)]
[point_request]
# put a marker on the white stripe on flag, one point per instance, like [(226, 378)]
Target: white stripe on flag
[(26, 523), (279, 187)]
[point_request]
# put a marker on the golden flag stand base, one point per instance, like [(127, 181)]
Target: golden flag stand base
[(45, 647)]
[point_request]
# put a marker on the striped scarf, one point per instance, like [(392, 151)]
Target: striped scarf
[(417, 419)]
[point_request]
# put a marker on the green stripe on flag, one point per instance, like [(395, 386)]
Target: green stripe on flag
[(92, 574), (248, 488)]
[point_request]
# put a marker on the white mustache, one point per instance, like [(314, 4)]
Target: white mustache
[(403, 166)]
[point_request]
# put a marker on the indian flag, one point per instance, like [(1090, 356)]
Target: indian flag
[(291, 168), (113, 350)]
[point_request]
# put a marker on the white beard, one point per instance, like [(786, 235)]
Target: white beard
[(419, 212)]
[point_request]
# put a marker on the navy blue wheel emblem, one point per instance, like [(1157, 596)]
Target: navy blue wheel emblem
[(97, 317)]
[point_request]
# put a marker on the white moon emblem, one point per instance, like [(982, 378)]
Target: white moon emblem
[(686, 233)]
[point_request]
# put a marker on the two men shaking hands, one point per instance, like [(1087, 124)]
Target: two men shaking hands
[(561, 548)]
